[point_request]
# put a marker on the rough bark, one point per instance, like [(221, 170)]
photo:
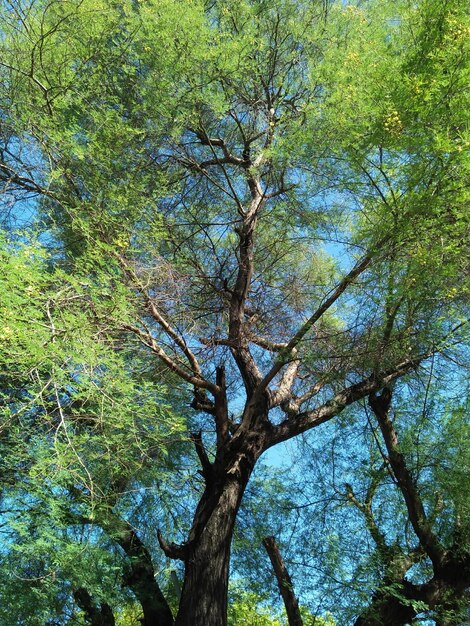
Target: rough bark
[(206, 554), (284, 582), (205, 587)]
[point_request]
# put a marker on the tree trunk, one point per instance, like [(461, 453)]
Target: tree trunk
[(204, 594), (207, 553), (447, 597), (386, 610)]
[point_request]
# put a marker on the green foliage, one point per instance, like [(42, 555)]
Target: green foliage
[(78, 427), (355, 119), (247, 610)]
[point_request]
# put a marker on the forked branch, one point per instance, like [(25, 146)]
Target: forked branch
[(285, 355), (299, 423), (150, 341)]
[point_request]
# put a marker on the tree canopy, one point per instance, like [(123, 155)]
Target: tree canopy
[(225, 226)]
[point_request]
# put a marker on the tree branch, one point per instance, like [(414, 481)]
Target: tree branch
[(284, 389), (284, 582), (148, 340), (299, 423), (222, 421), (245, 362), (380, 405), (172, 550), (366, 509), (271, 346), (140, 574), (102, 616), (161, 321), (207, 469), (285, 354)]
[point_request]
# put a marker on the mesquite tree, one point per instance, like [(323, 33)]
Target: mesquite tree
[(276, 189)]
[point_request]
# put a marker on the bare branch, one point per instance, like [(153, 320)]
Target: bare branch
[(310, 393), (284, 390), (202, 455), (366, 509), (267, 344), (222, 421), (148, 340), (162, 322), (285, 354)]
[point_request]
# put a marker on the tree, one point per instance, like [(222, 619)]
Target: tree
[(264, 184), (446, 590), (381, 529)]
